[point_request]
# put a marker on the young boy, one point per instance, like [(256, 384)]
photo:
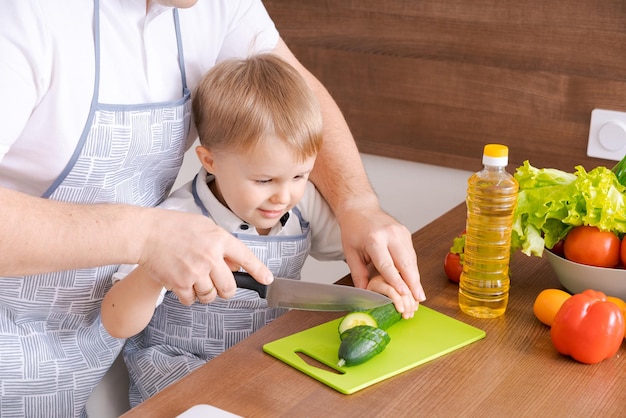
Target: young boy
[(260, 129)]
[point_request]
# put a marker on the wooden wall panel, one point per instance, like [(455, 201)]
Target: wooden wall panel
[(434, 80)]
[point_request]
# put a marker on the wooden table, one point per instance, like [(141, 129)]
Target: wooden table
[(513, 371)]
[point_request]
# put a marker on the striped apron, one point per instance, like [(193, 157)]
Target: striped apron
[(53, 347)]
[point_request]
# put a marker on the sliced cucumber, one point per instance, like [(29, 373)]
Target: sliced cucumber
[(363, 334), (382, 317), (360, 344), (354, 319)]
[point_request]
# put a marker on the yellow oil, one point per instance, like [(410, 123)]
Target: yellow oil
[(484, 285)]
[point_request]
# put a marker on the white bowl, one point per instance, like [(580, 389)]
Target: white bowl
[(577, 277)]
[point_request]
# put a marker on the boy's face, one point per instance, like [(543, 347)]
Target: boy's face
[(258, 187)]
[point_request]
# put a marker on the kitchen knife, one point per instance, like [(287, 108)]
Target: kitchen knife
[(296, 294)]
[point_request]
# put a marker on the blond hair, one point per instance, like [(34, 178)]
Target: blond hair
[(239, 102)]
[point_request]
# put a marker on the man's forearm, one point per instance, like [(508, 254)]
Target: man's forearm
[(40, 235), (339, 172)]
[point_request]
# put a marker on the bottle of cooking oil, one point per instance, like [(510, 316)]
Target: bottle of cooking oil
[(491, 201)]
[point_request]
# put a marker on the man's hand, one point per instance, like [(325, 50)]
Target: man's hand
[(373, 236), (193, 257)]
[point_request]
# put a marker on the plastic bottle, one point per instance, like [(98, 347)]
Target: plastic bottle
[(491, 201)]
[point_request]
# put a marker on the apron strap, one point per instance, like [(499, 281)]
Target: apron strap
[(181, 57)]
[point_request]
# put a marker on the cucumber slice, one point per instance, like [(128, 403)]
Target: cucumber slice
[(354, 319)]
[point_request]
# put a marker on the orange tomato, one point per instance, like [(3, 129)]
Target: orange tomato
[(548, 303), (622, 306)]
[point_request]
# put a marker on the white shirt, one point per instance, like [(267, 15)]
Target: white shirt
[(47, 68)]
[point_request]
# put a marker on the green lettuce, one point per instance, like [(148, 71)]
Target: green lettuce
[(551, 202)]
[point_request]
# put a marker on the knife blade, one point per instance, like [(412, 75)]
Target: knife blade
[(296, 294)]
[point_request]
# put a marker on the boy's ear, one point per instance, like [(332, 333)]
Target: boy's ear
[(206, 158)]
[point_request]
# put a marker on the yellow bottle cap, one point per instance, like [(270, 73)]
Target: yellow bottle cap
[(496, 155), (496, 150)]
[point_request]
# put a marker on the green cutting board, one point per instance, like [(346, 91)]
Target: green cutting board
[(426, 336)]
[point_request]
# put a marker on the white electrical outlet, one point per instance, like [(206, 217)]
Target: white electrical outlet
[(607, 134)]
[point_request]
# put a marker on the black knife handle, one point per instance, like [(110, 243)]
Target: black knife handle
[(245, 281)]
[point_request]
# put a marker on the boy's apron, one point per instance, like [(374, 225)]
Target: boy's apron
[(54, 349), (182, 338)]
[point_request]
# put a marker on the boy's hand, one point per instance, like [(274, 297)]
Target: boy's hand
[(405, 304)]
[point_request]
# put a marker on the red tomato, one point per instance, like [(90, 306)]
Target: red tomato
[(588, 245), (558, 248), (452, 266), (622, 252)]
